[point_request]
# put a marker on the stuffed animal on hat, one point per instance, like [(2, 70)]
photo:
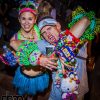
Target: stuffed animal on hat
[(69, 86)]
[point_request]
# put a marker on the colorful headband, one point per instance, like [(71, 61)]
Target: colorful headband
[(27, 10)]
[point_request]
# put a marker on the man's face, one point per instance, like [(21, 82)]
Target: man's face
[(50, 33)]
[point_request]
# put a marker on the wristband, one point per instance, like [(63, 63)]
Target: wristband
[(38, 63), (24, 51), (76, 40)]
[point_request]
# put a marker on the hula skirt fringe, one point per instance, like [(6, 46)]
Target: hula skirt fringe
[(30, 85)]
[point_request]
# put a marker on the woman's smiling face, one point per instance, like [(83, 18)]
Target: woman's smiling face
[(27, 21)]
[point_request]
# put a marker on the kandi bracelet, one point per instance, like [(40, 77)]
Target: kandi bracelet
[(24, 51)]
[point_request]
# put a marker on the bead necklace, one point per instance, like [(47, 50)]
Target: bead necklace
[(36, 29), (27, 37)]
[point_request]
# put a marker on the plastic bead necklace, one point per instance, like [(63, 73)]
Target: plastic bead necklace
[(27, 37)]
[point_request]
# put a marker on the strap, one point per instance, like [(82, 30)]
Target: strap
[(81, 57)]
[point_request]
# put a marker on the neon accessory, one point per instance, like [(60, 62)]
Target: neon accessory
[(77, 15), (36, 30), (27, 6), (27, 10), (25, 50)]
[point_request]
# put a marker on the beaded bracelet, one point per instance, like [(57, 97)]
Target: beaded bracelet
[(24, 51)]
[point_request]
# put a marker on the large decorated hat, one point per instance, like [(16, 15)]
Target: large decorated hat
[(27, 6)]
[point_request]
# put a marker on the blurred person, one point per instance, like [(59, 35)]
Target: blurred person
[(46, 9)]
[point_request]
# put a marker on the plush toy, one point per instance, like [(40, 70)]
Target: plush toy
[(69, 86)]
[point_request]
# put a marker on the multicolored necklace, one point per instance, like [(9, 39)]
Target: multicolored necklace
[(36, 29)]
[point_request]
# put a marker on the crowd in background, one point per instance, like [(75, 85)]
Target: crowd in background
[(9, 16)]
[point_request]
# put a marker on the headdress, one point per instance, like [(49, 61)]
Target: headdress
[(27, 6)]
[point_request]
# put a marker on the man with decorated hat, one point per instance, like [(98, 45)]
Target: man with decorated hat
[(78, 34)]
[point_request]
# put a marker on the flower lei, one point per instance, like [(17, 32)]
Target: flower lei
[(28, 53), (77, 15), (37, 32)]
